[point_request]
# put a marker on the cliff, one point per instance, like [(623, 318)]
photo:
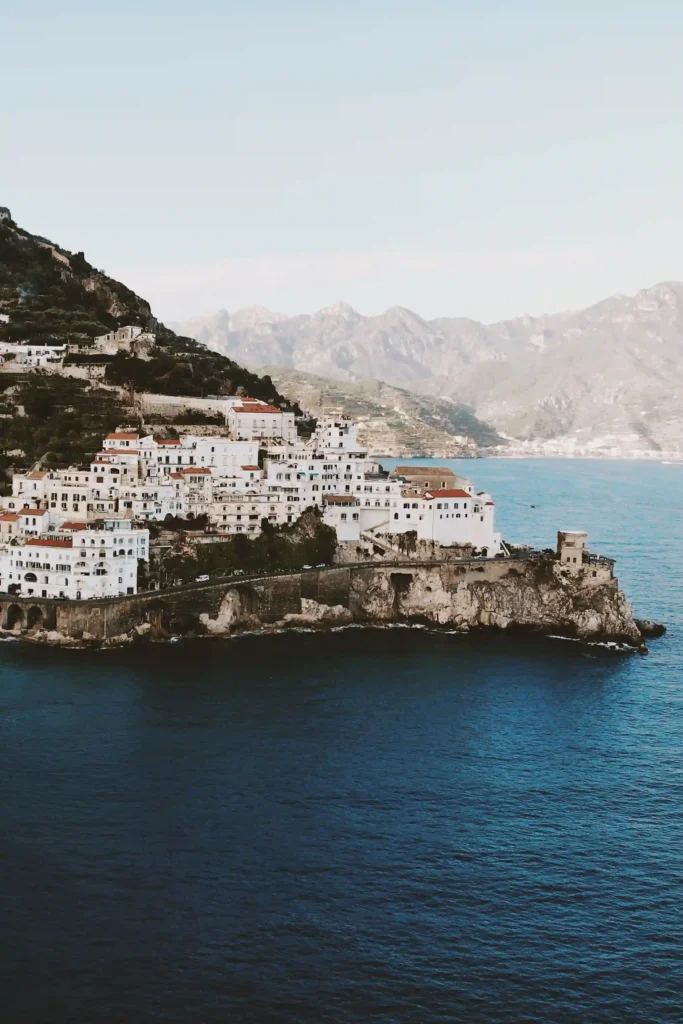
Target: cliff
[(535, 594), (500, 595)]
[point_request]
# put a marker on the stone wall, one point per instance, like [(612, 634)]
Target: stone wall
[(174, 404)]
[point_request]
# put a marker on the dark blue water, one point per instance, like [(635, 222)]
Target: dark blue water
[(389, 826)]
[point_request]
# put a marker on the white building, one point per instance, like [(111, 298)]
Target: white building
[(448, 517), (75, 562), (33, 355), (225, 456), (122, 340), (254, 421)]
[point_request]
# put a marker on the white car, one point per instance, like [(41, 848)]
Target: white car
[(306, 566), (239, 572), (202, 579)]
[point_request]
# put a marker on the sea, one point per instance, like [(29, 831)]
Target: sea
[(381, 825)]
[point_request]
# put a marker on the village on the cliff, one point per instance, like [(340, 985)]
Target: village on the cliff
[(82, 533)]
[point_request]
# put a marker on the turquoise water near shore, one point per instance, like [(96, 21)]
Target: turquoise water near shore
[(366, 825)]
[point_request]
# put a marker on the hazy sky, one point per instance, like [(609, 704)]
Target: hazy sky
[(483, 159)]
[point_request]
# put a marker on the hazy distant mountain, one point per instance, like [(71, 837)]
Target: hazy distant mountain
[(610, 375)]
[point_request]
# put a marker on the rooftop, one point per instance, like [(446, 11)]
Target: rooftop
[(341, 499), (424, 471), (454, 493), (50, 542), (256, 408)]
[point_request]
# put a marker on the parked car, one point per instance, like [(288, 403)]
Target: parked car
[(307, 567), (322, 565), (238, 572), (202, 579)]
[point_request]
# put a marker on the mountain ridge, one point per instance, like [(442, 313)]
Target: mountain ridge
[(606, 377)]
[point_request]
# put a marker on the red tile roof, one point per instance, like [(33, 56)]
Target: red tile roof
[(250, 467), (120, 451), (122, 437), (167, 440), (256, 408), (33, 511), (195, 469), (456, 493), (49, 542), (72, 526), (9, 517)]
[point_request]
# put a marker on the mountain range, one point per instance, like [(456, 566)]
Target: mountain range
[(606, 380)]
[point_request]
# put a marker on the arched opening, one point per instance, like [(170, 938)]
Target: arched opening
[(15, 617), (34, 619), (157, 614), (240, 605), (30, 577)]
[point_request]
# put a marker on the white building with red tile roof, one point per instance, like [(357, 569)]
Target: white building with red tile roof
[(254, 421), (75, 562), (121, 439)]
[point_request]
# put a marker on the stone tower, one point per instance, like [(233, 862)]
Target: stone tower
[(571, 545)]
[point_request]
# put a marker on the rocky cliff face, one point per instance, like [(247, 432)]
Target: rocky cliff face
[(535, 596)]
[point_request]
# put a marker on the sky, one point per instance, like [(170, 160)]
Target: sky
[(484, 159)]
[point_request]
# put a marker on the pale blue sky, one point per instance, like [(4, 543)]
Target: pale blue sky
[(480, 159)]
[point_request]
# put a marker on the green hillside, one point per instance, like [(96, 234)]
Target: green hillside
[(50, 293)]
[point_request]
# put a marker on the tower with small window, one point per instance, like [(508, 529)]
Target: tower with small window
[(571, 545)]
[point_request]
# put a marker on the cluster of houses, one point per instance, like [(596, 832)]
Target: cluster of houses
[(50, 354), (81, 532)]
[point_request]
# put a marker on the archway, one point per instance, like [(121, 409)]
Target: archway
[(157, 614), (34, 619), (240, 605), (15, 617)]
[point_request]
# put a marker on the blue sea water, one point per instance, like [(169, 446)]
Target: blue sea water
[(367, 825)]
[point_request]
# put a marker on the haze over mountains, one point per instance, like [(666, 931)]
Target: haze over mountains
[(608, 378)]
